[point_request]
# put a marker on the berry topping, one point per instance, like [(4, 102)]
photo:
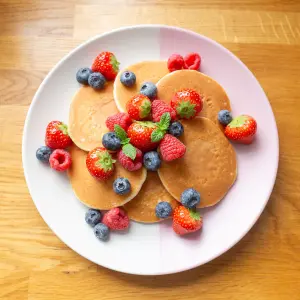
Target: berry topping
[(116, 219), (159, 108), (176, 129), (163, 210), (82, 75), (128, 163), (43, 153), (151, 161), (97, 81), (128, 78), (192, 61), (149, 89), (190, 198), (162, 127), (60, 160), (171, 148), (224, 117), (187, 103), (106, 64), (139, 107), (127, 148), (121, 186), (175, 62), (121, 119), (100, 163), (101, 231), (57, 136), (93, 217), (111, 142)]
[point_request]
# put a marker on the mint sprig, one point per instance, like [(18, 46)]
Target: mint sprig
[(127, 148), (162, 127)]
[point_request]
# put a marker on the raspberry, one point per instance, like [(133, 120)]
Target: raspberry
[(116, 219), (192, 61), (60, 160), (159, 108), (171, 148), (128, 163), (175, 62), (121, 119)]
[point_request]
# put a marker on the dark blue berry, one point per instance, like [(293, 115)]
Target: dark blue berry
[(111, 142), (101, 231), (43, 153), (83, 74), (121, 186), (97, 81), (176, 129), (93, 217), (163, 210), (151, 161), (149, 89), (128, 78), (224, 117), (190, 198)]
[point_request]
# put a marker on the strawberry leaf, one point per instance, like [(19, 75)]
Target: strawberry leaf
[(105, 161), (145, 109), (157, 135), (64, 128), (194, 215), (186, 109), (129, 151), (115, 64), (164, 122), (238, 121), (120, 132)]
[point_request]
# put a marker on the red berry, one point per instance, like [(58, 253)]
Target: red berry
[(128, 163), (106, 64), (171, 148), (60, 160), (121, 119), (57, 136), (159, 108), (187, 103), (139, 107), (116, 219), (175, 62), (192, 61)]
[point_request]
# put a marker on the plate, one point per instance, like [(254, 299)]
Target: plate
[(154, 249)]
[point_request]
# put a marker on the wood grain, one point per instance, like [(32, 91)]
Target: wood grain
[(35, 35)]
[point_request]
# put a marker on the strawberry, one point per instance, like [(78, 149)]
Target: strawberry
[(175, 62), (187, 103), (160, 107), (116, 219), (57, 136), (106, 64), (192, 61), (241, 129), (139, 107), (186, 220), (100, 163), (121, 119), (171, 148)]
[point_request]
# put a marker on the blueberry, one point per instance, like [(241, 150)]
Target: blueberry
[(149, 89), (224, 117), (176, 129), (151, 161), (93, 217), (128, 78), (121, 186), (83, 74), (101, 231), (111, 142), (190, 198), (97, 81), (163, 210), (43, 153)]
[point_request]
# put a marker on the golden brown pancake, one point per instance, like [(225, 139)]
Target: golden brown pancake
[(213, 95), (88, 113), (99, 194), (142, 207), (209, 165), (144, 71)]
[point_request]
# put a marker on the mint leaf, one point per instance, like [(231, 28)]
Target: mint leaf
[(126, 141), (157, 135), (164, 121), (129, 151), (120, 132)]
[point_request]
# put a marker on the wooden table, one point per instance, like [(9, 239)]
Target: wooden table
[(35, 35)]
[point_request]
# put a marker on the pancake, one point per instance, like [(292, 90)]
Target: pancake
[(209, 165), (142, 207), (144, 71), (213, 95), (99, 194), (88, 113)]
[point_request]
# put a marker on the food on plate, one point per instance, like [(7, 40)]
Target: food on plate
[(192, 61), (160, 107), (151, 161), (149, 89), (93, 217), (116, 219), (121, 186), (43, 153), (138, 107), (60, 160), (101, 231), (176, 129), (82, 75), (57, 136), (224, 117), (96, 81), (171, 148)]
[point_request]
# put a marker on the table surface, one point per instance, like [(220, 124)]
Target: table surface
[(35, 35)]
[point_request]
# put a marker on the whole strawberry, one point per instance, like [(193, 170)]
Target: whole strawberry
[(106, 64), (186, 220), (100, 163), (121, 119), (116, 219), (187, 103), (57, 136), (160, 107), (241, 129), (171, 148), (139, 107)]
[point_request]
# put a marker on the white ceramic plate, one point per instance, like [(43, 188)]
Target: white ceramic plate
[(154, 249)]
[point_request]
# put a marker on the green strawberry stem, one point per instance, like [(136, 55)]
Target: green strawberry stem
[(115, 64), (105, 161), (185, 109), (145, 109), (64, 128), (238, 121), (194, 214)]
